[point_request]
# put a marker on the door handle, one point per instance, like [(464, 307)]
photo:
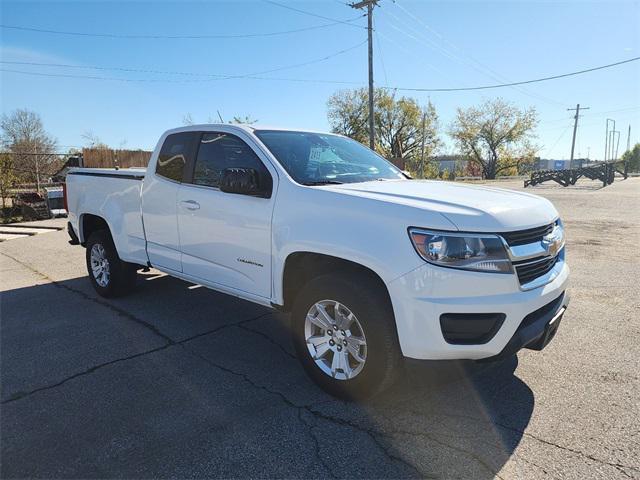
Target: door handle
[(191, 204)]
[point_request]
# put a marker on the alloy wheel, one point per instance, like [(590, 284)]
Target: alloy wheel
[(100, 265), (335, 339)]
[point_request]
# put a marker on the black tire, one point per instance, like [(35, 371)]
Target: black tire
[(122, 275), (365, 298)]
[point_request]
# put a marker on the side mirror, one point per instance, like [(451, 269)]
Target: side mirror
[(242, 181)]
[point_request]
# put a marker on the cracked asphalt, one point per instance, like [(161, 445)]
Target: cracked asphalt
[(180, 381)]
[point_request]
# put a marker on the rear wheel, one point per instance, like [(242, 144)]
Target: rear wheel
[(344, 333), (109, 275)]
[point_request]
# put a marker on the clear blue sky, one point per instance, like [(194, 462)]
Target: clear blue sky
[(419, 44)]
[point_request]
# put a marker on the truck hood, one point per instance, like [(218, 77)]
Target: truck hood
[(472, 208)]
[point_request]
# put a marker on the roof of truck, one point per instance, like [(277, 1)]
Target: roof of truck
[(250, 128)]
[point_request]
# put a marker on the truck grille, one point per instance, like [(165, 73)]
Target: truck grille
[(531, 235), (531, 269)]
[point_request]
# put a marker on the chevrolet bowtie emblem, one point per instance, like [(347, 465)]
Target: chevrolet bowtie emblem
[(552, 243)]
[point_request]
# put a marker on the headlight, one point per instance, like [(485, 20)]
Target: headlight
[(479, 252)]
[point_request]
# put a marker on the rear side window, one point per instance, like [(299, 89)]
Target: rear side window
[(219, 151), (174, 155)]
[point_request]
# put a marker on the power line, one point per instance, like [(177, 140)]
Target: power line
[(473, 63), (419, 58), (484, 68), (303, 64), (524, 82), (33, 154), (84, 77), (384, 69), (594, 113), (257, 77), (246, 77), (118, 69), (305, 12), (549, 150), (613, 111), (423, 39), (582, 124), (209, 76), (176, 37)]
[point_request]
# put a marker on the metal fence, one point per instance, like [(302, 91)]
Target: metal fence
[(604, 172)]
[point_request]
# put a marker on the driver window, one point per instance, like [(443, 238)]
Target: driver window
[(219, 151)]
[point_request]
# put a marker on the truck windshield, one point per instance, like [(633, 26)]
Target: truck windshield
[(318, 158)]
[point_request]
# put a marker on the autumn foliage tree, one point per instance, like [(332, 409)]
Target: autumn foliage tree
[(497, 136), (398, 123)]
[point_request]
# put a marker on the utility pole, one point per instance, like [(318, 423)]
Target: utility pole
[(369, 4), (424, 122), (614, 143), (612, 136), (575, 129), (629, 138), (35, 154), (606, 138)]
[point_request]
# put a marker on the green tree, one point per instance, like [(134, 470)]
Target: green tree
[(398, 124), (632, 157), (348, 114), (496, 136)]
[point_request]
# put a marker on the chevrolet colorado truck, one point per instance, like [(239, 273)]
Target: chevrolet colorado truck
[(373, 267)]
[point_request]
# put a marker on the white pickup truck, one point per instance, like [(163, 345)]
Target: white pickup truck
[(375, 268)]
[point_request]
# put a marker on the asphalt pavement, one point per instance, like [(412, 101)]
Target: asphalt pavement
[(177, 381)]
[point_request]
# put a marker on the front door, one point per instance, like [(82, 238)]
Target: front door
[(225, 238), (159, 200)]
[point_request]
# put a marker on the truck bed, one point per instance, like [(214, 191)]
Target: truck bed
[(130, 173), (113, 195)]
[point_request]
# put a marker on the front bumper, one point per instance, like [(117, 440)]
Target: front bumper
[(420, 297), (536, 329)]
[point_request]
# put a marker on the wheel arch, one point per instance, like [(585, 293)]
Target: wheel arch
[(90, 223), (301, 267)]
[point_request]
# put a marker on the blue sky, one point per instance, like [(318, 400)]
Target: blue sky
[(419, 44)]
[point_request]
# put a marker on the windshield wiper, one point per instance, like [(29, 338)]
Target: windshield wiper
[(323, 182)]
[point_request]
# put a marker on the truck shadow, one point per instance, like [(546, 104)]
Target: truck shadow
[(453, 420)]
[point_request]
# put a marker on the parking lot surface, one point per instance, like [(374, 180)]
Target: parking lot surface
[(176, 380)]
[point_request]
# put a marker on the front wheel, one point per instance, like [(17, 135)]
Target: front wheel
[(110, 276), (344, 334)]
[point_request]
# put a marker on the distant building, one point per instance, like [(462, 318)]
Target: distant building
[(553, 164), (448, 162)]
